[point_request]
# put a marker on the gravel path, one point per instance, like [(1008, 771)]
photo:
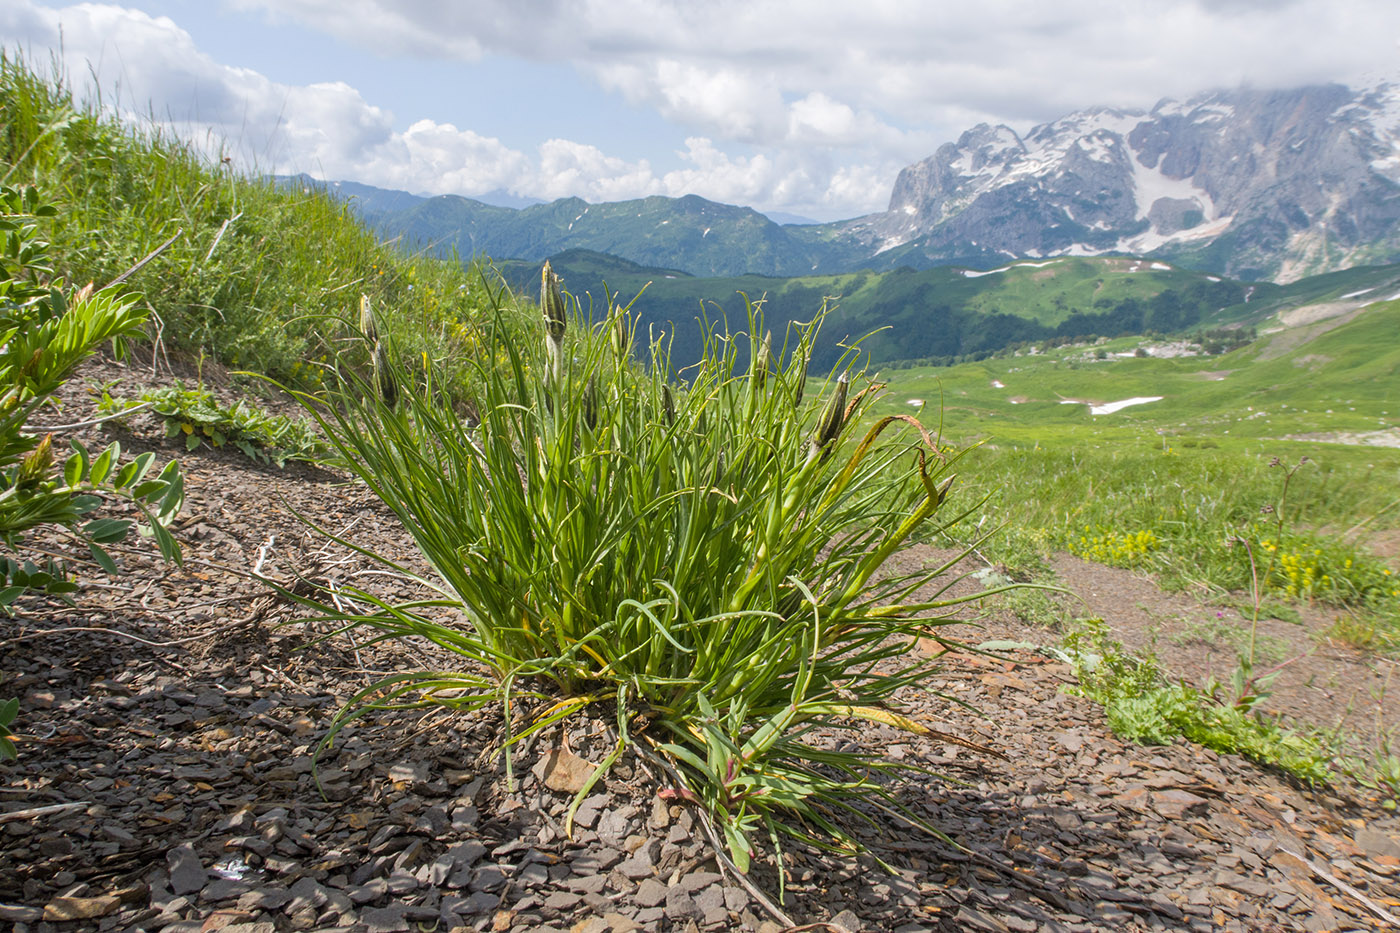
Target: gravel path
[(167, 783)]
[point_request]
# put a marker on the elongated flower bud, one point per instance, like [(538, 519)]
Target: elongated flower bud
[(590, 404), (621, 335), (367, 319), (804, 357), (832, 420), (383, 378), (668, 405), (552, 303), (763, 360), (555, 323), (834, 415), (35, 465)]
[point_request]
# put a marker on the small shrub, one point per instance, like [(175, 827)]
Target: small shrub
[(198, 417), (699, 557), (44, 335), (1141, 706)]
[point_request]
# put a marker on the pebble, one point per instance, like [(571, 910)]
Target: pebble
[(187, 873), (650, 893)]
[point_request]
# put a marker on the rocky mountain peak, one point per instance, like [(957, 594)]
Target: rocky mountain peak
[(1271, 183)]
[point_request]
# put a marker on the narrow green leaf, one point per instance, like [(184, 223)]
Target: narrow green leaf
[(104, 560), (106, 530)]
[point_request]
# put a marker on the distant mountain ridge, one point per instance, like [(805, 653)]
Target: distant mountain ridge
[(1252, 184), (699, 236), (1247, 183)]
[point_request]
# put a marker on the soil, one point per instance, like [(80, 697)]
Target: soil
[(168, 781)]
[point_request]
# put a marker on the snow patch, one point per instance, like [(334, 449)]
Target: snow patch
[(1097, 148), (1147, 242), (1151, 184), (975, 274), (1110, 407), (1209, 113), (890, 243)]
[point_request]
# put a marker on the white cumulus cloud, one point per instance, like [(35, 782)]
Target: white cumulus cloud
[(809, 106)]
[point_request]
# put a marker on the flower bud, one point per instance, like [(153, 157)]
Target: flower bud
[(668, 405), (35, 465), (383, 378), (552, 303), (833, 415), (621, 335), (763, 360), (590, 404), (367, 319), (804, 358)]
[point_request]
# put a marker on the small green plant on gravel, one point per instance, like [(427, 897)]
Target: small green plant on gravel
[(1142, 706), (43, 337), (44, 334), (1034, 605), (1217, 630), (1378, 769), (1382, 771), (699, 557), (200, 418)]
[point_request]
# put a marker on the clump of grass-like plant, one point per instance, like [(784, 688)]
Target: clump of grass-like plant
[(698, 552)]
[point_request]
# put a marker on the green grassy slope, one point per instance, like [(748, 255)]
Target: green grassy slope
[(1361, 285), (249, 267), (1292, 381), (1166, 486)]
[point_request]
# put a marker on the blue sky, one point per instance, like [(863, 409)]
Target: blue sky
[(808, 107)]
